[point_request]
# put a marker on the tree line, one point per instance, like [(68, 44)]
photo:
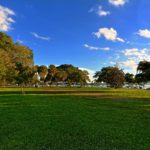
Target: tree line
[(65, 74), (17, 68), (116, 78)]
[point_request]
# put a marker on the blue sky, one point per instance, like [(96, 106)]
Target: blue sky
[(86, 33)]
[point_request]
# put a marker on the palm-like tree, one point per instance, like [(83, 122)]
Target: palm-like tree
[(52, 70), (42, 71), (61, 76), (143, 66), (144, 70)]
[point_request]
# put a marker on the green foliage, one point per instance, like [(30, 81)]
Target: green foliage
[(12, 55), (67, 73), (143, 72), (24, 74), (42, 71), (52, 71), (60, 76), (5, 41), (129, 78), (22, 55), (111, 75)]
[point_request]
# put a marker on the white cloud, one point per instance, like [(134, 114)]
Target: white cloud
[(137, 54), (110, 34), (128, 42), (117, 56), (6, 18), (144, 33), (20, 41), (112, 63), (96, 48), (134, 56), (130, 65), (117, 2), (100, 11), (91, 73), (40, 37)]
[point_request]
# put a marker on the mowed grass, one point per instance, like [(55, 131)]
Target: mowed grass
[(134, 93), (107, 121)]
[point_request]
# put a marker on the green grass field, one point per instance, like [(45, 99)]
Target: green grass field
[(74, 119)]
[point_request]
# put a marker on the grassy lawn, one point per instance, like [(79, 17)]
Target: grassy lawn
[(111, 120)]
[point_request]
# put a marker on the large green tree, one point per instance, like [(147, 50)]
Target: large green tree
[(129, 78), (24, 75), (74, 74), (111, 75), (68, 74), (14, 58), (143, 70)]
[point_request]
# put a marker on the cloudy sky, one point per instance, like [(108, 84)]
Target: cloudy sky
[(87, 33)]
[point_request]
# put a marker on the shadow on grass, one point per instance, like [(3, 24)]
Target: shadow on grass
[(53, 92)]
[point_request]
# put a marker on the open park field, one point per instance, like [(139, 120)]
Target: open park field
[(74, 119)]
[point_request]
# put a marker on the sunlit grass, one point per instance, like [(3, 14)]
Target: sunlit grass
[(79, 91), (114, 119)]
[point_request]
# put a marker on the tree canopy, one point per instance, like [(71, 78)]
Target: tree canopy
[(17, 67), (67, 73), (111, 75), (129, 78), (143, 69), (15, 62)]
